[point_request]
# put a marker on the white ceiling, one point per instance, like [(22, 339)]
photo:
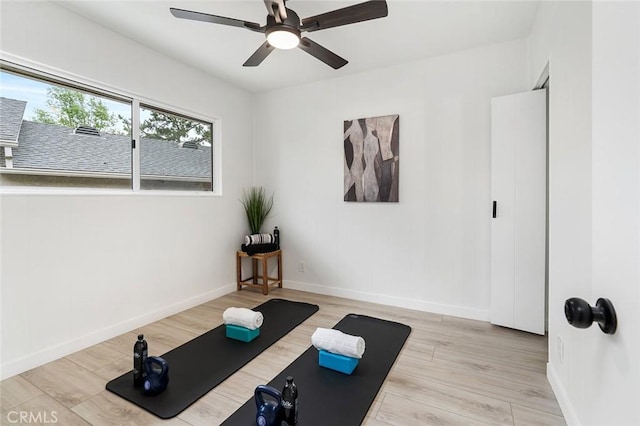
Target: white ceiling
[(413, 30)]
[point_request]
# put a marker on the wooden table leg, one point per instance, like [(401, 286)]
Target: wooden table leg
[(265, 276), (239, 271), (254, 267), (280, 269)]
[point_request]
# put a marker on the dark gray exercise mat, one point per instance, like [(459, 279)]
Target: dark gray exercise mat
[(201, 364), (328, 397)]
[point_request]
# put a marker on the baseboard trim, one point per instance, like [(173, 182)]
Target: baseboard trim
[(401, 302), (62, 349), (561, 395)]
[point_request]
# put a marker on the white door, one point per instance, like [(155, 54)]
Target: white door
[(518, 228), (610, 393)]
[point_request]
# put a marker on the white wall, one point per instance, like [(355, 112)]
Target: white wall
[(594, 192), (79, 268), (429, 251)]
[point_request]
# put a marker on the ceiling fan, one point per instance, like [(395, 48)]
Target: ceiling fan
[(284, 26)]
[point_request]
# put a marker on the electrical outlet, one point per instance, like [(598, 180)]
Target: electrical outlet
[(301, 266), (560, 346)]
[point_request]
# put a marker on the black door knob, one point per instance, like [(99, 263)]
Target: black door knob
[(581, 315)]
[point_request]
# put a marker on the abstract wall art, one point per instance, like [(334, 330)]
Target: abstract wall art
[(371, 159)]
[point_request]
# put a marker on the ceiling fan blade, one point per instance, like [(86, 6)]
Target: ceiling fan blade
[(325, 55), (259, 55), (373, 9), (214, 19)]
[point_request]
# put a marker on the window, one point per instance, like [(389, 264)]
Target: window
[(175, 151), (59, 133)]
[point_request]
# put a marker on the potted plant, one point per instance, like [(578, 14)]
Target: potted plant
[(257, 206)]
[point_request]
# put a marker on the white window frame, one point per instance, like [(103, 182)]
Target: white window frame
[(49, 74)]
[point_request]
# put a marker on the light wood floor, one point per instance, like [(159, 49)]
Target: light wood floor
[(451, 371)]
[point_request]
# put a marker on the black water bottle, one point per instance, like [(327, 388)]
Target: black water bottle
[(290, 402), (276, 237), (139, 357)]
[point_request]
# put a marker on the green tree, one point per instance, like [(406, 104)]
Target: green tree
[(173, 128), (72, 109), (126, 124)]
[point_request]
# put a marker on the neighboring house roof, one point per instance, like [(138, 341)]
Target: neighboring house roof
[(58, 149), (53, 147), (168, 158), (11, 112)]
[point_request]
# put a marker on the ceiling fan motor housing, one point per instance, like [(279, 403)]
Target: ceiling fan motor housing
[(291, 24)]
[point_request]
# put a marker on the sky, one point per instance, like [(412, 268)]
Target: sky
[(14, 87)]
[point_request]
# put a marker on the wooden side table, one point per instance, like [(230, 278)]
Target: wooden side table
[(262, 281)]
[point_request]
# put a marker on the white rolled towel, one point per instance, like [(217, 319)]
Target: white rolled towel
[(258, 239), (243, 317), (337, 342)]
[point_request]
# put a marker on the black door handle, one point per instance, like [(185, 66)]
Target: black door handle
[(580, 315), (495, 209)]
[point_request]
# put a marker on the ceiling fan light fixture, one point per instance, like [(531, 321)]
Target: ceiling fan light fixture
[(283, 38)]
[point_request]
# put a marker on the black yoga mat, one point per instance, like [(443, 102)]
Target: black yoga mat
[(201, 364), (328, 397)]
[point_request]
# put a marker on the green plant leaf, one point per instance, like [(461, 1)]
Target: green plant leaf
[(257, 207)]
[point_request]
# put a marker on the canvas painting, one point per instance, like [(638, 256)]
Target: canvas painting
[(371, 159)]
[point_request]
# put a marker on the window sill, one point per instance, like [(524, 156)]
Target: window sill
[(17, 190)]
